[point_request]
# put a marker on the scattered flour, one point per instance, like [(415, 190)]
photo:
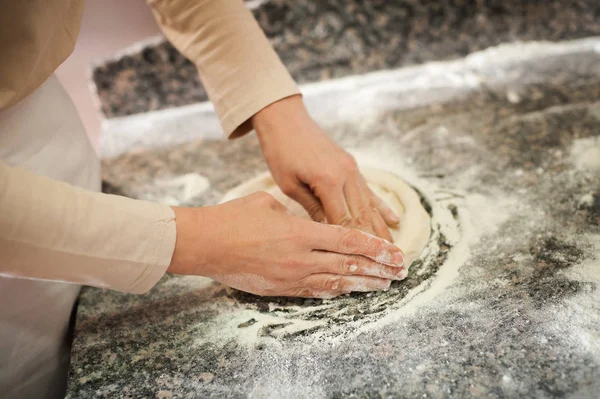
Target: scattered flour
[(455, 228), (585, 154), (586, 200), (181, 189), (229, 325), (475, 216)]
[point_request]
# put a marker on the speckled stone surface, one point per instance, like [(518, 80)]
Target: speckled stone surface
[(332, 38), (517, 165)]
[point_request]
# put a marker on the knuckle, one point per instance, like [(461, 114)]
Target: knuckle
[(374, 203), (349, 164), (363, 218), (295, 266), (332, 283), (329, 178), (315, 211), (351, 241), (289, 188), (346, 221), (349, 265)]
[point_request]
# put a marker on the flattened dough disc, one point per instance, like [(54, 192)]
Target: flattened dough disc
[(414, 229)]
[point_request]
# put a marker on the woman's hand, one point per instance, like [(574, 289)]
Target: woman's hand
[(255, 245), (311, 169)]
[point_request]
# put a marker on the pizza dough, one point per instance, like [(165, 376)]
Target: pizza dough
[(411, 235)]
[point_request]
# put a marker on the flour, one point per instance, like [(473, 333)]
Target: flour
[(449, 229), (499, 231), (178, 190), (460, 219), (586, 201), (585, 154), (500, 303), (579, 314), (489, 218), (229, 326)]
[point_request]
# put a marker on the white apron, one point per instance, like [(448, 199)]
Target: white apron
[(43, 134)]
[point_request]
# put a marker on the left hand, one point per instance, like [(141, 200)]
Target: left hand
[(312, 170)]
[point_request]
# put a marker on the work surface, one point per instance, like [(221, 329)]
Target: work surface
[(504, 148)]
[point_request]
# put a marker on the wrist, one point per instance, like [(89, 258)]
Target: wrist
[(280, 116), (189, 256)]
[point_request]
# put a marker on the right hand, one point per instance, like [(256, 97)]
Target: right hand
[(255, 245)]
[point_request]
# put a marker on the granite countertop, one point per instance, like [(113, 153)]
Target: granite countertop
[(504, 302), (333, 38)]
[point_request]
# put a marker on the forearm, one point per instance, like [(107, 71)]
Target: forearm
[(53, 231), (241, 72)]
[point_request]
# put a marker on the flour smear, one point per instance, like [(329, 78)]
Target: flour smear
[(453, 229)]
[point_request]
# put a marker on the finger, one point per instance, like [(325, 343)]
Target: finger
[(335, 206), (305, 197), (380, 227), (359, 206), (366, 217), (334, 283), (343, 240), (388, 215), (352, 265)]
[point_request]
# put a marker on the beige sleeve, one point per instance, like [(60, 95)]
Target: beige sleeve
[(53, 231), (240, 71)]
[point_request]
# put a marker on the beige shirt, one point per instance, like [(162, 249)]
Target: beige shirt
[(51, 230)]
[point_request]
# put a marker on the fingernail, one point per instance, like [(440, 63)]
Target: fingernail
[(392, 216), (386, 285), (398, 258), (398, 274), (402, 274), (405, 274), (384, 257)]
